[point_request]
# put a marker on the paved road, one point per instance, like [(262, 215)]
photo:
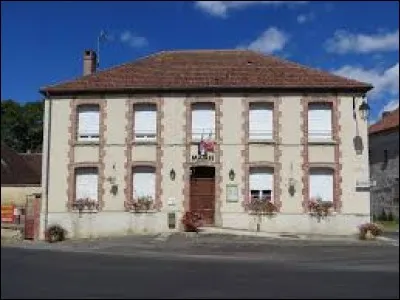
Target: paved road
[(226, 270)]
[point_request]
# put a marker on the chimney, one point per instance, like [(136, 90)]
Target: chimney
[(385, 114), (89, 62)]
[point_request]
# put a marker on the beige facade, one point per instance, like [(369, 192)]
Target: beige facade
[(289, 154)]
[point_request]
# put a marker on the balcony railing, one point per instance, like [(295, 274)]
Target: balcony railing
[(205, 132)]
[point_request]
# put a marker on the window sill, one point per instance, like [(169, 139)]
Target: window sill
[(86, 143), (151, 211), (144, 143), (321, 142), (85, 211), (266, 142)]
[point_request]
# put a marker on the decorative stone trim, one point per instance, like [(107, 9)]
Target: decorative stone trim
[(337, 166), (128, 152), (277, 128), (72, 142), (129, 141)]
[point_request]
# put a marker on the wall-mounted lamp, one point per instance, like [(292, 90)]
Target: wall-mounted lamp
[(364, 110), (231, 175), (172, 174), (292, 186)]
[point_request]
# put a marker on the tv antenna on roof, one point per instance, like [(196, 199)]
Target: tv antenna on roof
[(101, 38)]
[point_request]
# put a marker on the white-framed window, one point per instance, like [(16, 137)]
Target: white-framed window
[(203, 121), (86, 183), (261, 183), (260, 121), (88, 123), (144, 182), (320, 121), (321, 184), (145, 125)]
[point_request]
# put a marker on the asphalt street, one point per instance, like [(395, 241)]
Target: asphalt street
[(178, 269)]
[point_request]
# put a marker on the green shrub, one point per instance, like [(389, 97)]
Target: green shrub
[(390, 216), (383, 216)]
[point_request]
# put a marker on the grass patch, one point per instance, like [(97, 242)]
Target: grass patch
[(389, 226)]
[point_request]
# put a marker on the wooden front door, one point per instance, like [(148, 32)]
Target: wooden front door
[(32, 216), (202, 194)]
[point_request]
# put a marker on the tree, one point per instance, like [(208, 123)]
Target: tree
[(22, 125)]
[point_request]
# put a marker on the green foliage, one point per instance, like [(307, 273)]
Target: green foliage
[(383, 216), (22, 125), (390, 216)]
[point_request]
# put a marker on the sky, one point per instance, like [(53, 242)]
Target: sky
[(42, 43)]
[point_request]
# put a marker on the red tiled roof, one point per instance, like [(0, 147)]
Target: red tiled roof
[(15, 170), (207, 69), (388, 121)]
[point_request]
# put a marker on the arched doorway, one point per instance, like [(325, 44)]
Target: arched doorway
[(202, 193)]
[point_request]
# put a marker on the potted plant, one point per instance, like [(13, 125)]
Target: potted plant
[(142, 204), (260, 206), (370, 231), (191, 221), (55, 233), (85, 203), (319, 208)]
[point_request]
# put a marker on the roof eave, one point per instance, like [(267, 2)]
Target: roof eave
[(344, 89)]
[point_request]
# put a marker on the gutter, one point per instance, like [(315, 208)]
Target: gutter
[(46, 216), (210, 89)]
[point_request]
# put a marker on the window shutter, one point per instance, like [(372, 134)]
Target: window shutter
[(203, 121), (260, 122), (144, 182), (145, 121), (321, 184), (320, 122), (86, 184), (89, 122)]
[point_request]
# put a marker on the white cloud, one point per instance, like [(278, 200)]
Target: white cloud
[(133, 40), (303, 18), (384, 81), (391, 105), (270, 41), (345, 42), (221, 8)]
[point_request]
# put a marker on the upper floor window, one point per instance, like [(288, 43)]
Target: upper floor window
[(320, 122), (260, 121), (203, 120), (145, 125), (88, 123)]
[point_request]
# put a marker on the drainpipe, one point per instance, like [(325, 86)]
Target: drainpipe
[(46, 216)]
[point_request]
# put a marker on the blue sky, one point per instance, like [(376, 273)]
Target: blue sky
[(43, 42)]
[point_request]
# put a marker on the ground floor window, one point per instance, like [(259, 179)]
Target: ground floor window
[(144, 184), (261, 183), (86, 184), (321, 184)]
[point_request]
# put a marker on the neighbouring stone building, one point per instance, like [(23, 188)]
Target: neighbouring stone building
[(204, 131), (20, 176), (384, 164)]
